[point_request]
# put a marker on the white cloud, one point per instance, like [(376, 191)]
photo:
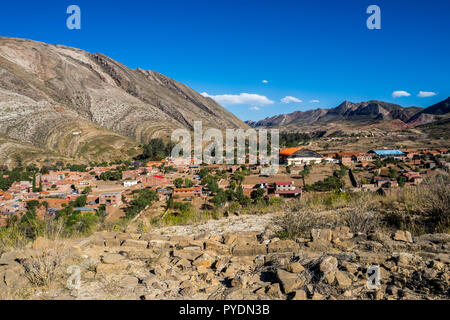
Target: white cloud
[(265, 81), (314, 101), (398, 94), (243, 98), (426, 94), (254, 108), (289, 99)]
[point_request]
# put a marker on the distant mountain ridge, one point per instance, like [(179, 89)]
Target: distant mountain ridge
[(362, 112)]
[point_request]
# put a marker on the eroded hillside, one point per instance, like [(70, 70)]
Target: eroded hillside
[(86, 105)]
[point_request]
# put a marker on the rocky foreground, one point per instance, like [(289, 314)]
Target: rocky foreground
[(231, 262)]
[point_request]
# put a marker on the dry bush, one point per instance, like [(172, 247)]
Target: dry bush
[(421, 209), (43, 269), (361, 216), (297, 221), (11, 238), (434, 198)]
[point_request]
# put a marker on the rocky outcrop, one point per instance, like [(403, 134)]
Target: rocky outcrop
[(237, 265)]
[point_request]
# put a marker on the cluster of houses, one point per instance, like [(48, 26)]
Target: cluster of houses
[(57, 188), (300, 156)]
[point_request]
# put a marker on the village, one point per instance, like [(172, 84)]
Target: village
[(111, 189)]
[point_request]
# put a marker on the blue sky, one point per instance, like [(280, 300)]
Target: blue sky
[(306, 50)]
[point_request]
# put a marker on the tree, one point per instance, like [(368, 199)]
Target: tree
[(188, 183), (378, 163), (87, 190), (156, 149), (392, 173), (80, 201), (203, 172), (213, 186), (328, 184), (220, 198), (144, 198), (83, 223), (239, 177), (241, 198), (401, 181), (178, 183), (113, 175), (258, 194), (32, 204)]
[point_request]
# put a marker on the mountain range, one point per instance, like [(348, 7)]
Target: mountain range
[(67, 101), (358, 113), (58, 102)]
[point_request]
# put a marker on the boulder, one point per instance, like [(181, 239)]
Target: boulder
[(274, 290), (239, 281), (350, 267), (135, 243), (188, 291), (128, 282), (205, 260), (187, 254), (404, 236), (342, 233), (112, 258), (317, 296), (249, 249), (299, 295), (221, 263), (113, 242), (283, 246), (321, 235), (342, 279), (295, 267), (217, 247), (328, 264), (42, 243), (289, 281)]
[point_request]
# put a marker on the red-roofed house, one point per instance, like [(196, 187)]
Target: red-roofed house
[(154, 181)]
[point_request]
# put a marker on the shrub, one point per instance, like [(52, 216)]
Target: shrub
[(434, 195), (359, 219), (43, 269), (295, 223)]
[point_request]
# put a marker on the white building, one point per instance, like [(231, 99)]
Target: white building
[(130, 183), (296, 156)]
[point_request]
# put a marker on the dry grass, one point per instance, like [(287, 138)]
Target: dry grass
[(298, 221), (421, 209), (43, 269), (361, 216), (16, 236), (418, 209), (434, 198)]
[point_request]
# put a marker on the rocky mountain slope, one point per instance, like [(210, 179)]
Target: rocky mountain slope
[(55, 97), (233, 258), (357, 114), (433, 113)]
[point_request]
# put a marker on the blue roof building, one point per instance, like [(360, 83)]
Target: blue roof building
[(83, 209), (387, 153)]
